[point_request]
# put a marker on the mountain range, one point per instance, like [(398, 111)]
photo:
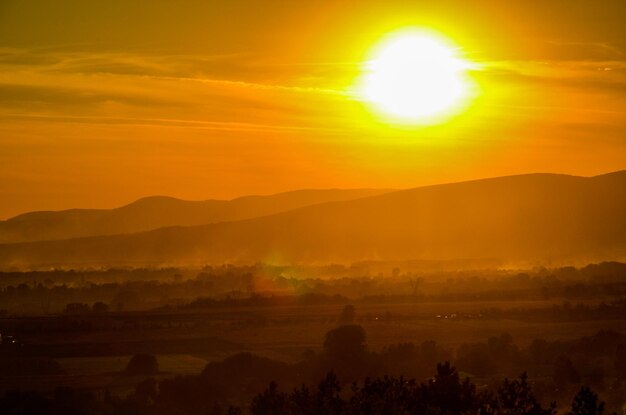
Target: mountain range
[(530, 219), (160, 211)]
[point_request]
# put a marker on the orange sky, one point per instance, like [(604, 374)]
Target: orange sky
[(105, 102)]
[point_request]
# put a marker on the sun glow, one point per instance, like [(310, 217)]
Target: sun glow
[(416, 77)]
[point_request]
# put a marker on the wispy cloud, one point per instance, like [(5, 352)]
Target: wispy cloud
[(221, 88), (167, 123)]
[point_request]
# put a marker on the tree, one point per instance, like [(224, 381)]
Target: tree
[(387, 395), (99, 307), (328, 399), (142, 364), (347, 315), (516, 398), (76, 308), (345, 343), (586, 403), (447, 392), (269, 402), (415, 282)]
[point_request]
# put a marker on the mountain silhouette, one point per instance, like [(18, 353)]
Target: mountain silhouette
[(161, 211), (517, 219)]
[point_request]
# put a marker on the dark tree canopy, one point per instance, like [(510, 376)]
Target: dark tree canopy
[(345, 342), (347, 315), (586, 403), (100, 307), (142, 364)]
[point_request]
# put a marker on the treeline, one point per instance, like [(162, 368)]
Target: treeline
[(141, 289), (444, 393), (598, 360), (562, 312)]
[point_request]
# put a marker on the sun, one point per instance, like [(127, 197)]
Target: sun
[(415, 77)]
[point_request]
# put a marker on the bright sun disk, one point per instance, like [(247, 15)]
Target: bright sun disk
[(415, 77)]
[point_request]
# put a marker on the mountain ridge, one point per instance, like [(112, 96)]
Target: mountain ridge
[(535, 217), (154, 212)]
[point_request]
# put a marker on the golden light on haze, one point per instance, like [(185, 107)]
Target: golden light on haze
[(236, 197), (415, 76), (104, 103)]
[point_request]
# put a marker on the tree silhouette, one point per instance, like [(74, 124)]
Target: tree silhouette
[(347, 314), (76, 308), (586, 403), (142, 364), (328, 400), (270, 402), (447, 392), (516, 398), (99, 307), (386, 395), (345, 343)]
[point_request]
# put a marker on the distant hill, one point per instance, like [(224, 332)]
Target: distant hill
[(531, 218), (161, 211)]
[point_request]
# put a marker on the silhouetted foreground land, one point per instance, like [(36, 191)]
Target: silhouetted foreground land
[(197, 341), (356, 381), (445, 393)]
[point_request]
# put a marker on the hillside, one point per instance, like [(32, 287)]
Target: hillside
[(160, 211), (536, 218)]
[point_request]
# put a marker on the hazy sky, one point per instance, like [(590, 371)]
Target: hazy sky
[(103, 102)]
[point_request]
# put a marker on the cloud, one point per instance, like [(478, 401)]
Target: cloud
[(153, 90), (235, 92), (28, 97), (164, 122), (584, 51), (236, 67), (591, 86)]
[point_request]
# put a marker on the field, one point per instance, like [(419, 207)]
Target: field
[(184, 342)]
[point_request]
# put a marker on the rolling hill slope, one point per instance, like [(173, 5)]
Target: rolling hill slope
[(527, 218), (160, 211)]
